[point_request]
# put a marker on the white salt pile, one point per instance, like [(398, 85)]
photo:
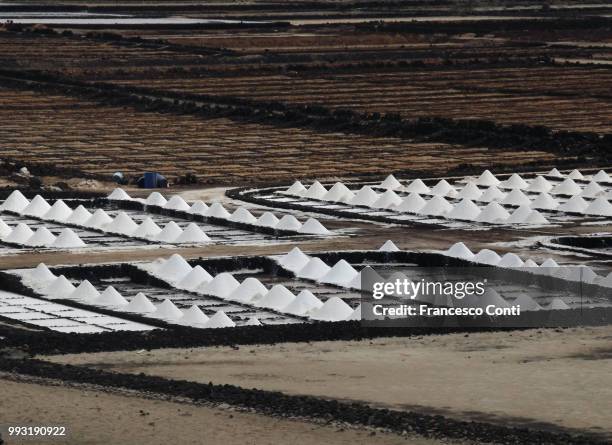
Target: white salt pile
[(110, 297), (388, 246), (99, 219), (567, 187), (520, 215), (242, 215), (465, 210), (557, 304), (526, 303), (42, 274), (174, 269), (217, 210), (514, 182), (59, 211), (339, 193), (600, 207), (555, 173), (177, 203), (193, 317), (576, 204), (390, 183), (195, 278), (37, 207), (288, 222), (487, 179), (492, 194), (492, 297), (516, 198), (198, 208), (436, 206), (59, 288), (315, 191), (340, 274), (5, 229), (493, 213), (247, 290), (460, 250), (386, 200), (147, 229), (549, 263), (544, 202), (267, 219), (276, 298), (252, 321), (591, 190), (510, 260), (19, 235), (334, 309), (530, 263), (85, 292), (219, 320), (79, 216), (169, 233), (535, 218), (140, 304), (486, 256), (364, 197), (313, 227), (313, 270), (413, 203), (540, 185), (294, 260), (602, 176), (356, 315), (41, 238), (222, 285), (297, 189), (15, 202), (168, 311), (192, 234), (575, 174), (119, 195), (443, 188), (67, 239), (419, 187), (303, 303), (470, 191), (121, 224), (155, 199)]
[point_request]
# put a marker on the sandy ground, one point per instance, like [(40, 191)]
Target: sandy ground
[(524, 378), (94, 417)]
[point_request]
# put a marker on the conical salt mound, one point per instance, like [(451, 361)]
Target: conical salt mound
[(520, 215), (339, 192), (386, 200), (486, 256), (607, 281), (492, 194), (174, 269), (526, 303), (466, 210), (41, 238), (355, 283), (303, 303), (313, 227), (167, 310), (19, 235), (169, 233), (443, 188), (390, 183), (37, 207), (413, 203), (247, 290), (122, 224), (5, 229), (491, 297), (514, 182), (140, 304), (356, 315), (177, 203), (294, 260), (460, 250), (516, 198), (220, 286), (288, 222), (59, 288), (84, 292), (119, 195), (600, 207), (110, 297), (510, 260), (417, 186), (576, 204), (388, 246), (549, 263), (193, 317), (79, 216), (67, 239), (557, 304), (436, 206), (575, 174), (487, 179), (544, 202), (147, 229), (341, 274), (219, 320), (198, 208), (155, 199), (592, 190), (15, 202), (602, 176), (555, 173), (217, 210), (530, 263), (567, 187), (98, 219), (493, 213), (364, 197), (470, 191), (540, 185), (315, 191), (576, 273), (314, 269), (276, 298), (267, 219), (42, 274), (195, 278), (242, 215), (252, 321), (59, 211), (192, 234), (297, 189), (536, 218), (334, 309)]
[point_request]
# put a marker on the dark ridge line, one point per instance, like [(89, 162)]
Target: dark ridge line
[(274, 403)]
